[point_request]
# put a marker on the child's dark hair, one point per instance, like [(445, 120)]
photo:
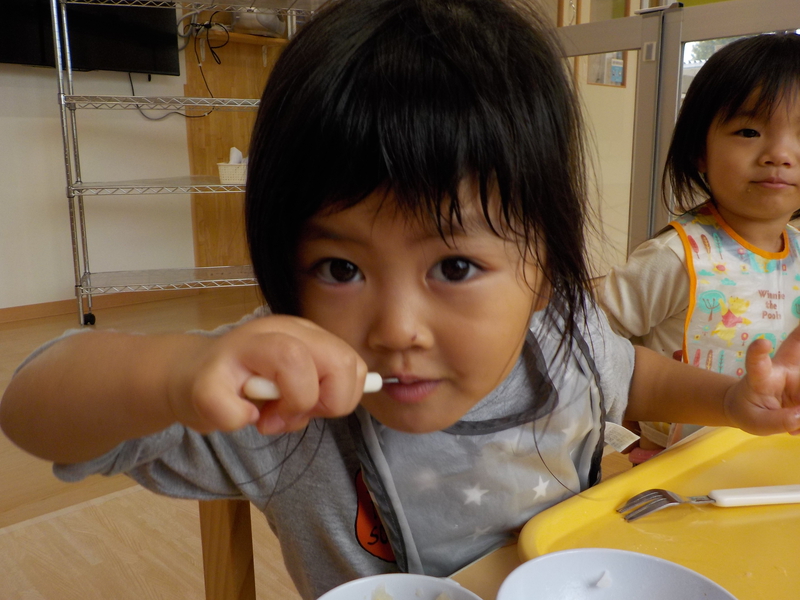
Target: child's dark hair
[(414, 97), (764, 68)]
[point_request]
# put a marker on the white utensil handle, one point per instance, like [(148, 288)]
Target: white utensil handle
[(259, 388), (753, 496)]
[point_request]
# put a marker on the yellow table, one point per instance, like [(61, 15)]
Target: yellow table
[(753, 552)]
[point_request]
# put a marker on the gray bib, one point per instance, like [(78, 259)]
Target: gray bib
[(449, 497)]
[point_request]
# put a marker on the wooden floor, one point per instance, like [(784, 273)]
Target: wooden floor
[(107, 538)]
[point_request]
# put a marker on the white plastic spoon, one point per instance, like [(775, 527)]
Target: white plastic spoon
[(260, 388)]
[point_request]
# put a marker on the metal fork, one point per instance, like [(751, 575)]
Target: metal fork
[(649, 501), (655, 499)]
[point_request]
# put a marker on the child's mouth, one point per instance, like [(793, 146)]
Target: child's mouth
[(774, 183), (408, 390)]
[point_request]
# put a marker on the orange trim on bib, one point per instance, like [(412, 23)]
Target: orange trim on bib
[(687, 251), (754, 249)]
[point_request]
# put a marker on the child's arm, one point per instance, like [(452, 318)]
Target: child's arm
[(91, 391), (765, 401)]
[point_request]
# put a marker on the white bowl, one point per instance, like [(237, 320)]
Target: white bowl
[(399, 586), (606, 574)]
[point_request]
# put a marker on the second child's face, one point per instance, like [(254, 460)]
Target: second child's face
[(447, 318), (752, 165)]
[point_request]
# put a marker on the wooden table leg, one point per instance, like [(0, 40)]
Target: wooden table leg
[(227, 550)]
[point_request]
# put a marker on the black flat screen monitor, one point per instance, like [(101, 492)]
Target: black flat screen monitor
[(110, 38)]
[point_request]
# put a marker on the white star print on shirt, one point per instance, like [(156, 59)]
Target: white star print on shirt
[(474, 495), (541, 489)]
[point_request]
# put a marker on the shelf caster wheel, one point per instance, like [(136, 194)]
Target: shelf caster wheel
[(88, 319)]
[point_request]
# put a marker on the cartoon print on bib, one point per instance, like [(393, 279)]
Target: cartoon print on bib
[(738, 293)]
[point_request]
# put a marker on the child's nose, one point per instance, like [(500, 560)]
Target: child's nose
[(783, 152), (399, 322)]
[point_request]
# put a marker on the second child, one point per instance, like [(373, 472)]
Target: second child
[(726, 271)]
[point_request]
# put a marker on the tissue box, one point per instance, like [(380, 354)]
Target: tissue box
[(232, 174)]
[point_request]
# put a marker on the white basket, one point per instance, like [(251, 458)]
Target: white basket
[(232, 174)]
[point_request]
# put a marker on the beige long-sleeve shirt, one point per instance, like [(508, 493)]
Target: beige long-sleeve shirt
[(646, 298)]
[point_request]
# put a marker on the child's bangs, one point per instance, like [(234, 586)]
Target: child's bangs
[(764, 100), (418, 121), (764, 79)]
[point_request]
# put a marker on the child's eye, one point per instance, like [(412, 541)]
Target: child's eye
[(454, 269), (748, 133), (337, 270)]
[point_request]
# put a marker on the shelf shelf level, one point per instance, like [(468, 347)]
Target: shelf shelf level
[(177, 185), (113, 282), (158, 103), (299, 7)]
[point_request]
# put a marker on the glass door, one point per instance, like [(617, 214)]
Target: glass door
[(632, 61)]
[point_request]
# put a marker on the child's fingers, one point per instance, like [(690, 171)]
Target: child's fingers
[(336, 396), (770, 405), (757, 361), (791, 420), (288, 362), (789, 352), (340, 395), (213, 399), (217, 407), (270, 423), (312, 386), (317, 374), (777, 378), (771, 421)]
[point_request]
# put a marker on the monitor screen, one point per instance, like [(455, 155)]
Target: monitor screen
[(111, 38)]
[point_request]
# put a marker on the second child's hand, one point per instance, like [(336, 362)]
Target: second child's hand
[(767, 399)]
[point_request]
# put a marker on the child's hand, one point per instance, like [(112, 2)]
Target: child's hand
[(319, 375), (767, 399)]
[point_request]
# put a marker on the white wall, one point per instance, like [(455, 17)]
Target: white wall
[(125, 232), (609, 113)]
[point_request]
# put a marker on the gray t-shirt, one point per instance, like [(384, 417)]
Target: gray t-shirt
[(311, 485)]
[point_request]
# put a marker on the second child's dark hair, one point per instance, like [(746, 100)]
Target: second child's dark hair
[(414, 97), (764, 68)]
